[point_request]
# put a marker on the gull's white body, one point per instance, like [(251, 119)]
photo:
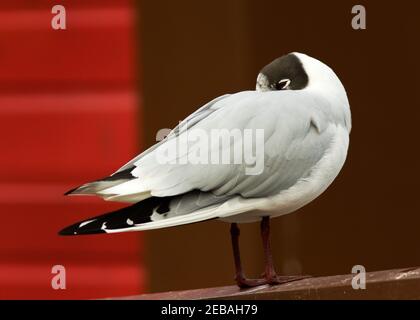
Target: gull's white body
[(307, 137), (300, 194)]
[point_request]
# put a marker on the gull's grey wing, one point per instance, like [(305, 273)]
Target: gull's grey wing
[(298, 129), (123, 174), (188, 122)]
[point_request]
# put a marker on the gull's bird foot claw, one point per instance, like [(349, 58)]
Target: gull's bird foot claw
[(275, 279), (243, 282)]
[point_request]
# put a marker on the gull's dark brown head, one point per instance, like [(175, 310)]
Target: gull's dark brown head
[(284, 73)]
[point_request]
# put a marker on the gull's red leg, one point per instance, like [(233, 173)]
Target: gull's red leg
[(270, 273), (240, 278)]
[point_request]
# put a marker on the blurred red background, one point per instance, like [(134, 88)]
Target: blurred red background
[(68, 113)]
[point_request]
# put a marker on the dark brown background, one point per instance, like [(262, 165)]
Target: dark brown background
[(193, 51)]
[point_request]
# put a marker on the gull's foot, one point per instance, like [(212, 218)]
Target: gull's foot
[(243, 282), (275, 279)]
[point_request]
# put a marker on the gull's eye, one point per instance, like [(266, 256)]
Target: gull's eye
[(283, 84)]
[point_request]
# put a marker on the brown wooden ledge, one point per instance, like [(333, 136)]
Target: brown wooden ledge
[(390, 284)]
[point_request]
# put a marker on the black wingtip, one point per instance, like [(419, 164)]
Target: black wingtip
[(76, 230), (124, 218), (68, 231), (71, 191)]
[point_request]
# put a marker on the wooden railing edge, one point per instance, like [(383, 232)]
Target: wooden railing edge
[(388, 284)]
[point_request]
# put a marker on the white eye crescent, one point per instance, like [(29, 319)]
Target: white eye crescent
[(283, 84)]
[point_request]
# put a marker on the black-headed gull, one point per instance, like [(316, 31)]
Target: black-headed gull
[(293, 136)]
